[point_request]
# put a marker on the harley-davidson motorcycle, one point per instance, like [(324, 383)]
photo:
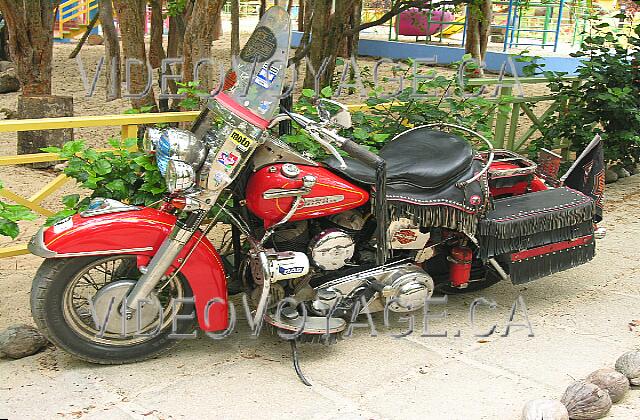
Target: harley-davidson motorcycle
[(358, 233)]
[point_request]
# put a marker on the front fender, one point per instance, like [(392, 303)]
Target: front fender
[(141, 232)]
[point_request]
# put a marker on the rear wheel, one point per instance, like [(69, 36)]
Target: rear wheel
[(76, 303)]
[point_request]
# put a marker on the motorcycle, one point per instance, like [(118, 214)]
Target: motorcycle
[(335, 239)]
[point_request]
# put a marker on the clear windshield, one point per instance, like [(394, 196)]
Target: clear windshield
[(260, 69)]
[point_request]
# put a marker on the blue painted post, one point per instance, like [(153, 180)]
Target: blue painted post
[(516, 19), (508, 28), (464, 28), (92, 13), (555, 43)]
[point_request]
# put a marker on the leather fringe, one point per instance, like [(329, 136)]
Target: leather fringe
[(435, 216), (527, 226), (544, 265), (491, 246)]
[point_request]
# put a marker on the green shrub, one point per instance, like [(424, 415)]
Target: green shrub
[(122, 174), (605, 101), (10, 215)]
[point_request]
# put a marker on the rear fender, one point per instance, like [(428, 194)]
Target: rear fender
[(141, 232)]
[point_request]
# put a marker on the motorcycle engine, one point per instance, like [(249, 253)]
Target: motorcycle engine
[(329, 246), (332, 249)]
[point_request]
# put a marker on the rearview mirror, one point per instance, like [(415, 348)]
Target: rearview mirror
[(334, 112)]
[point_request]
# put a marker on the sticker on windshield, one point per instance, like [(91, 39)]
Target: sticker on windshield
[(243, 141), (229, 160), (267, 75), (261, 46)]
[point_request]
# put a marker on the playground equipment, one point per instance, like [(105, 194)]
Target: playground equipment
[(73, 17), (517, 23), (417, 22)]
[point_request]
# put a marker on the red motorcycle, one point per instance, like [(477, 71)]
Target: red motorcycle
[(352, 235)]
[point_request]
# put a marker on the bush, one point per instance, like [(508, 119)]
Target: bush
[(10, 214), (605, 101), (122, 174)]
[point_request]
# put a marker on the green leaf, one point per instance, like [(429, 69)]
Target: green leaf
[(9, 228), (130, 142), (309, 93), (360, 133), (380, 137), (90, 155), (117, 185), (327, 92), (71, 201), (51, 149), (16, 212), (102, 167), (73, 147)]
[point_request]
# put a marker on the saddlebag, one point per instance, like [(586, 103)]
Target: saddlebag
[(538, 234)]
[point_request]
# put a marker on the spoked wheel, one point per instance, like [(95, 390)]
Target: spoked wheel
[(77, 303)]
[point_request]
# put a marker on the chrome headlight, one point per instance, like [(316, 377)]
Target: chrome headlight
[(151, 139), (180, 176), (181, 145)]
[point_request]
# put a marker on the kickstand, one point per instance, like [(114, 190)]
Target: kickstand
[(296, 363)]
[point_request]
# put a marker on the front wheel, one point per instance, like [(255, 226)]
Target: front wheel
[(76, 303)]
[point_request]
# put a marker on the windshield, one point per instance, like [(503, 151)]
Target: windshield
[(260, 69)]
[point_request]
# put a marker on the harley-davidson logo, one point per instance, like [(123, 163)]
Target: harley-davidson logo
[(405, 236), (321, 201)]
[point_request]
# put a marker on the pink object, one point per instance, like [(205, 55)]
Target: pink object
[(241, 111), (414, 22)]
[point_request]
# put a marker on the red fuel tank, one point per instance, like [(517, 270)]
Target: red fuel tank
[(330, 195)]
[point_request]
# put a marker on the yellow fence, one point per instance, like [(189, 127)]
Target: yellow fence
[(129, 128)]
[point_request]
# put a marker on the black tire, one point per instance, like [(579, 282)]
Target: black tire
[(47, 309)]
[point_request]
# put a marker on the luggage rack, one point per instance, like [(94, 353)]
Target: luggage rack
[(523, 165)]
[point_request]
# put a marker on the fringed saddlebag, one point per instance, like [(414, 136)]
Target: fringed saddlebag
[(540, 233)]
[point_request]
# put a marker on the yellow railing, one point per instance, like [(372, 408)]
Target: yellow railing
[(73, 9), (129, 129)]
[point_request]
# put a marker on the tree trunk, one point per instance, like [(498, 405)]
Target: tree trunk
[(30, 27), (43, 107), (263, 7), (349, 44), (322, 10), (217, 29), (111, 51), (131, 16), (235, 28), (199, 34), (156, 49), (329, 31), (177, 27), (478, 29), (301, 16)]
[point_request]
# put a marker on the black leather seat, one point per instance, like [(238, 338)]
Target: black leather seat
[(422, 158)]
